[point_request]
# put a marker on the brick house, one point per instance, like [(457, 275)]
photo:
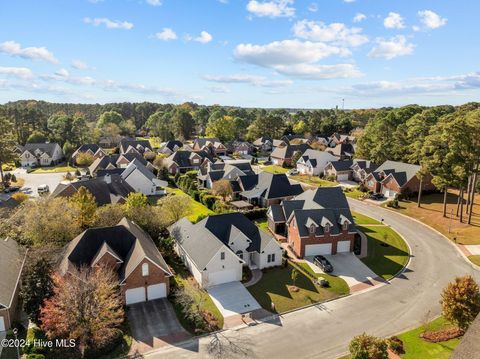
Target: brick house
[(142, 272), (95, 150), (341, 170), (134, 146), (12, 260), (213, 146), (392, 178), (184, 161), (317, 222), (361, 169)]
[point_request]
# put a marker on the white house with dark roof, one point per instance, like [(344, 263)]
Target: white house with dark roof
[(40, 154), (93, 149), (216, 248), (313, 162), (142, 180)]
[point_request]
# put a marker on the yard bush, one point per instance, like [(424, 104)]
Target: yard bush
[(393, 203), (257, 213), (209, 201), (221, 207), (331, 178), (192, 175), (395, 344), (367, 346)]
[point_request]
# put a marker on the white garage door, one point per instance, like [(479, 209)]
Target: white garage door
[(2, 324), (317, 249), (221, 277), (343, 246), (342, 177), (388, 193), (135, 295), (156, 291)]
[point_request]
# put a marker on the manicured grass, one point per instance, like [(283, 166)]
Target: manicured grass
[(354, 193), (384, 261), (431, 213), (154, 141), (313, 181), (274, 287), (45, 170), (475, 259), (8, 166), (362, 219), (274, 169), (262, 224), (337, 284), (196, 208), (415, 347)]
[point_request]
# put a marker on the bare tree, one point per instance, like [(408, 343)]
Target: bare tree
[(232, 346)]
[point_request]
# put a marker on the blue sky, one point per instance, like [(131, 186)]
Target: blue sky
[(253, 53)]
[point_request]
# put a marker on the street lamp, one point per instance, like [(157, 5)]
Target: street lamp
[(15, 333)]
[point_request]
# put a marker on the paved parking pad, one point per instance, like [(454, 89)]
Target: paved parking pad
[(233, 299)]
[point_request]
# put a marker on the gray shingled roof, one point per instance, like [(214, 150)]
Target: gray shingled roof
[(342, 165), (289, 150), (401, 171), (125, 143), (48, 148), (11, 263), (271, 185)]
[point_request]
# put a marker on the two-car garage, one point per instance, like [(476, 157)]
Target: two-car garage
[(143, 294), (326, 248)]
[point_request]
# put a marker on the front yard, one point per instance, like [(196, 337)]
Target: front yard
[(431, 213), (196, 208), (275, 286), (59, 169), (387, 251), (274, 169), (313, 181), (262, 224), (362, 219)]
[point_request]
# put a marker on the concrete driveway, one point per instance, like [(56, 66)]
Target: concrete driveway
[(154, 324), (233, 299), (348, 267), (32, 181)]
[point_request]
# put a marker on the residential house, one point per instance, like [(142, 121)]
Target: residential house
[(316, 222), (229, 170), (340, 170), (343, 151), (361, 169), (40, 154), (263, 144), (282, 156), (313, 162), (128, 145), (392, 178), (111, 162), (216, 248), (142, 180), (95, 150), (295, 139), (213, 146), (184, 161), (170, 147), (12, 260), (110, 141), (265, 189), (143, 274), (337, 138), (126, 158), (109, 189), (240, 147)]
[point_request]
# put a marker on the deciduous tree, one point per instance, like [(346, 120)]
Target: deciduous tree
[(222, 188), (366, 346), (86, 207), (175, 207)]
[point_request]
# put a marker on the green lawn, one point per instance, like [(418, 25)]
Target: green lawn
[(274, 287), (262, 224), (362, 219), (385, 261), (415, 347), (274, 169), (354, 193), (313, 181), (475, 259), (54, 170), (197, 209)]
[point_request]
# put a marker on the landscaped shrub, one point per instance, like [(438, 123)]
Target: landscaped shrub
[(177, 176), (195, 194), (221, 207), (331, 178), (393, 203), (442, 335), (257, 213), (191, 174), (209, 201), (395, 344)]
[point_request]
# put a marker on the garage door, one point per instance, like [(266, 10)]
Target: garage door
[(316, 249), (156, 291), (2, 324), (343, 177), (343, 246), (221, 277), (388, 193), (135, 295)]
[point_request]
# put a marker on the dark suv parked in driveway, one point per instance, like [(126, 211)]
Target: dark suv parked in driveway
[(323, 263), (377, 196)]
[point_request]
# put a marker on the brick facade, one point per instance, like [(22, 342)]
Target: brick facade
[(155, 276)]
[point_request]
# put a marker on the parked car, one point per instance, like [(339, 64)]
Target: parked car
[(43, 189), (292, 172), (377, 196), (11, 189), (323, 263)]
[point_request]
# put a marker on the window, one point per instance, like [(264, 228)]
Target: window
[(195, 160), (145, 270), (222, 256), (269, 258), (327, 228), (312, 228), (345, 225), (273, 257)]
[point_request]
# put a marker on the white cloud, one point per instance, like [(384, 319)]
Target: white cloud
[(80, 65), (391, 48), (109, 24), (154, 2), (166, 34), (62, 73), (393, 21), (272, 8), (204, 37), (359, 17), (431, 20), (219, 89), (20, 72), (254, 80), (313, 7), (320, 72), (33, 53), (336, 33)]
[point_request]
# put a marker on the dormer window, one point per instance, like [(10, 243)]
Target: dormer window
[(145, 270), (326, 228), (222, 256), (312, 228), (345, 225)]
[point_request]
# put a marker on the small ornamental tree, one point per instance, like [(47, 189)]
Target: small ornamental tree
[(84, 159), (296, 156), (175, 207), (86, 206), (222, 188), (85, 306), (135, 200), (36, 285), (366, 346), (294, 276), (461, 301)]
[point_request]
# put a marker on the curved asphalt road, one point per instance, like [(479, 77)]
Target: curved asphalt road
[(323, 331)]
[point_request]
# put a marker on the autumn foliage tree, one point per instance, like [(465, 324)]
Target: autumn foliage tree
[(461, 301), (86, 306), (86, 206), (366, 346), (84, 159), (222, 188)]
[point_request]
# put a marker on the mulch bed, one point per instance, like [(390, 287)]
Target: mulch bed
[(442, 335)]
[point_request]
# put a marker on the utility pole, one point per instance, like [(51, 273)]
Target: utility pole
[(343, 104)]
